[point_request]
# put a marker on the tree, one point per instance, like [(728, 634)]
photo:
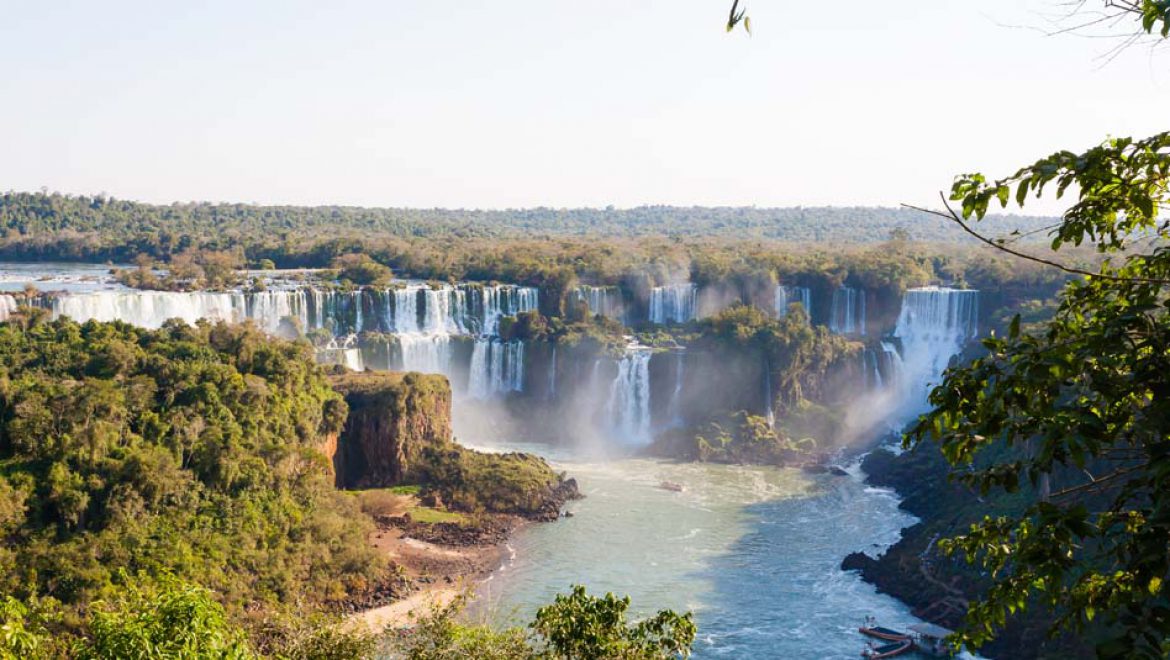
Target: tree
[(576, 626), (361, 269), (1077, 413), (579, 626), (179, 622)]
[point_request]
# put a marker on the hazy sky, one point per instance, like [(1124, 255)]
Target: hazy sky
[(504, 103)]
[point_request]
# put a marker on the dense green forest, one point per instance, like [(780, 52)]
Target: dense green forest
[(31, 214), (190, 450)]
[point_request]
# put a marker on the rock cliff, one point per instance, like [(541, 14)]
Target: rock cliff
[(393, 418), (398, 432)]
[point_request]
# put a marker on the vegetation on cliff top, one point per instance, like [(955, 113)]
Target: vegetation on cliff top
[(406, 417)]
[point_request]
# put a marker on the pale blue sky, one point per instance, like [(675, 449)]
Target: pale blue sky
[(504, 103)]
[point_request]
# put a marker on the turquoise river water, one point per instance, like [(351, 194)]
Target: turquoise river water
[(753, 551)]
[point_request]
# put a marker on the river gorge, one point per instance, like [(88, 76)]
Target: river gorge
[(754, 551)]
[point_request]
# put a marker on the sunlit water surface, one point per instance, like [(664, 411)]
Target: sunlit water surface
[(753, 551)]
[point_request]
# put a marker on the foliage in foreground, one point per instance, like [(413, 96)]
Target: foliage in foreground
[(169, 619), (1078, 409), (576, 626)]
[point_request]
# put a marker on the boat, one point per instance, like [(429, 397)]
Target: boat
[(883, 633), (872, 629), (671, 486), (888, 650), (931, 639)]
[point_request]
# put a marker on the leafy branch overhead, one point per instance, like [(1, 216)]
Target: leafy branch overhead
[(1075, 416)]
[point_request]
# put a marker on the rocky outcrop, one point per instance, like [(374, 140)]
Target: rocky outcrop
[(938, 587), (393, 418), (398, 432)]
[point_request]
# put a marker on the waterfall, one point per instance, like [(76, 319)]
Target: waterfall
[(603, 300), (503, 300), (403, 317), (889, 367), (674, 303), (786, 295), (848, 311), (344, 352), (871, 370), (933, 326), (551, 391), (420, 318), (769, 406), (7, 306), (674, 410), (413, 308), (628, 408), (497, 367), (426, 353)]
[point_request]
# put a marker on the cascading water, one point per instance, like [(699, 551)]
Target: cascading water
[(551, 390), (674, 410), (628, 408), (786, 295), (674, 303), (504, 300), (7, 306), (933, 326), (421, 319), (343, 351), (603, 300), (870, 370), (848, 311), (889, 365), (769, 405), (429, 354), (497, 367)]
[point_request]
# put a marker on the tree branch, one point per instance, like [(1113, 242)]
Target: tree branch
[(1098, 483), (954, 217)]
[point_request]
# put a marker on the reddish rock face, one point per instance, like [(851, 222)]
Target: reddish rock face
[(392, 418)]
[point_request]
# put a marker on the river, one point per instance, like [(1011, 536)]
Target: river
[(754, 552)]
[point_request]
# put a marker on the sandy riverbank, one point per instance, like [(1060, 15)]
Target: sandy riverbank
[(442, 565)]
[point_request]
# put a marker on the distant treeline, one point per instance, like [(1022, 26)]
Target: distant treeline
[(88, 227)]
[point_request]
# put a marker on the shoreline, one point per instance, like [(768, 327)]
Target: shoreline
[(446, 564)]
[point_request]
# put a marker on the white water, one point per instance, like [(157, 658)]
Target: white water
[(422, 320), (603, 300), (848, 312), (552, 374), (7, 306), (933, 326), (628, 408), (674, 303), (343, 351), (786, 295), (674, 410), (497, 367), (769, 404), (890, 363)]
